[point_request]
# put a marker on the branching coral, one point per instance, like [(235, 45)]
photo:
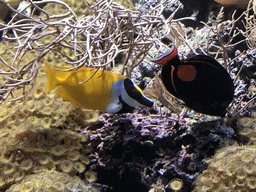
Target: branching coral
[(221, 35), (94, 40)]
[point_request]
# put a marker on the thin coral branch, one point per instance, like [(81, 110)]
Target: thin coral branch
[(93, 41)]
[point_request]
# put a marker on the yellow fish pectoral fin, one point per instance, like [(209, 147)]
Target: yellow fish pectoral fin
[(52, 81), (113, 108)]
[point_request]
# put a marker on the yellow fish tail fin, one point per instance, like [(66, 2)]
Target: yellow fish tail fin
[(52, 81)]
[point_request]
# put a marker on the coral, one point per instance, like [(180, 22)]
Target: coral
[(80, 7), (66, 166), (90, 176), (36, 150), (54, 181), (247, 128), (232, 168), (140, 148), (176, 184)]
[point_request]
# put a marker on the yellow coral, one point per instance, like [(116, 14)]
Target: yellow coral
[(247, 157), (58, 186), (30, 148), (73, 155), (47, 110), (7, 156), (38, 92), (251, 183), (3, 114), (245, 121), (19, 156), (43, 159), (19, 176), (85, 159), (249, 168), (238, 171), (246, 131), (13, 141), (46, 122), (66, 166), (27, 187), (176, 184), (79, 167), (30, 106), (2, 181), (58, 150), (9, 168), (54, 181), (26, 164), (33, 120), (48, 101), (230, 170), (90, 176), (38, 182), (49, 168)]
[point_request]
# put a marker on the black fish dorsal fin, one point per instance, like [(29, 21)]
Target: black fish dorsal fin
[(209, 60), (168, 56)]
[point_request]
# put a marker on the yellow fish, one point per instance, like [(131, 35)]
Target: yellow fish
[(105, 91)]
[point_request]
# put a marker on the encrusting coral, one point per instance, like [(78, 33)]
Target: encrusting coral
[(54, 181), (231, 169), (247, 127), (80, 7), (39, 150)]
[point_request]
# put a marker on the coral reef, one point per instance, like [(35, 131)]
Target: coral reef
[(247, 128), (150, 151), (231, 169), (40, 138), (30, 151), (54, 181)]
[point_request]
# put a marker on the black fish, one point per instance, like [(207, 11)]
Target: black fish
[(201, 82)]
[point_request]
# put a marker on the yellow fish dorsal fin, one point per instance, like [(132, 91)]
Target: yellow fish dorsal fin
[(55, 78)]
